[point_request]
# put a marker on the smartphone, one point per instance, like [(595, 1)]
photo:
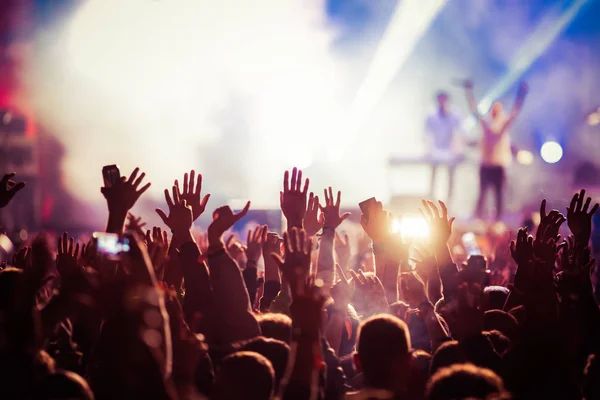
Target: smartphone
[(110, 245), (469, 241), (111, 175), (365, 206)]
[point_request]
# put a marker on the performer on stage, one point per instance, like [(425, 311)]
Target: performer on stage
[(443, 140), (496, 152)]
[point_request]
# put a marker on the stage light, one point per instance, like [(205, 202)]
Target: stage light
[(411, 227), (410, 20), (549, 28), (551, 152), (525, 157)]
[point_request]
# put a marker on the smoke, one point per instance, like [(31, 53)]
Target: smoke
[(171, 85)]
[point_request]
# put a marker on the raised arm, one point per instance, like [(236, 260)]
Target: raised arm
[(332, 219), (232, 304), (468, 85), (198, 297), (521, 94), (121, 197)]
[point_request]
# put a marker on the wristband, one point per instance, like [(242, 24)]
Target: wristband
[(215, 251)]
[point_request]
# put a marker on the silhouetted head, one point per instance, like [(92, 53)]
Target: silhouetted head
[(276, 326), (244, 375), (497, 110), (448, 353), (501, 321), (276, 351), (464, 381), (442, 99), (383, 352)]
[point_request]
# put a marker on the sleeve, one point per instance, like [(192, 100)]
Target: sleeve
[(233, 313)]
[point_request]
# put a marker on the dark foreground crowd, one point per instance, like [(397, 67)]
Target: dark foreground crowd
[(181, 316)]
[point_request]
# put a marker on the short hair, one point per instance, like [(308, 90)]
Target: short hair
[(442, 93), (496, 297), (64, 385), (276, 351), (383, 341), (500, 342), (276, 326), (419, 373), (244, 375), (501, 321), (462, 381), (447, 354)]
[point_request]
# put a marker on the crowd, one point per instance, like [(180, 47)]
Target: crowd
[(179, 315)]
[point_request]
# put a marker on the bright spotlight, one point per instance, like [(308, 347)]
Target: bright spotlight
[(551, 152), (411, 227), (525, 157)]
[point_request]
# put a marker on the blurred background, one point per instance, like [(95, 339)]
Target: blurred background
[(241, 90)]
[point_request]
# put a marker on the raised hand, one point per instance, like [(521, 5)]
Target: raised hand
[(180, 218), (22, 258), (157, 241), (439, 225), (370, 291), (122, 196), (341, 245), (8, 189), (135, 224), (68, 251), (579, 219), (549, 223), (331, 211), (342, 291), (378, 225), (412, 289), (223, 219), (469, 313), (521, 249), (295, 266), (293, 198), (313, 222), (255, 243), (192, 194)]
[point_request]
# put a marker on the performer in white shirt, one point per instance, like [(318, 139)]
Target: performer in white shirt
[(496, 151), (443, 140)]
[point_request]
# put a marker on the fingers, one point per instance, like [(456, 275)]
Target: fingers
[(133, 175), (286, 182), (229, 240), (204, 201), (330, 196), (444, 209), (16, 188), (162, 215), (543, 209), (250, 237), (143, 189), (340, 273), (434, 209), (580, 199), (176, 193), (573, 202), (294, 176), (191, 183), (344, 216), (139, 180), (594, 209), (339, 199), (587, 204), (299, 181), (6, 178), (242, 213), (306, 184)]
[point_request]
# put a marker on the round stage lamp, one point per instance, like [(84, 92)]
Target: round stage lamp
[(551, 152)]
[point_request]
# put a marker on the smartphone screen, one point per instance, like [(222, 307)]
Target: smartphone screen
[(111, 245), (111, 175), (365, 206)]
